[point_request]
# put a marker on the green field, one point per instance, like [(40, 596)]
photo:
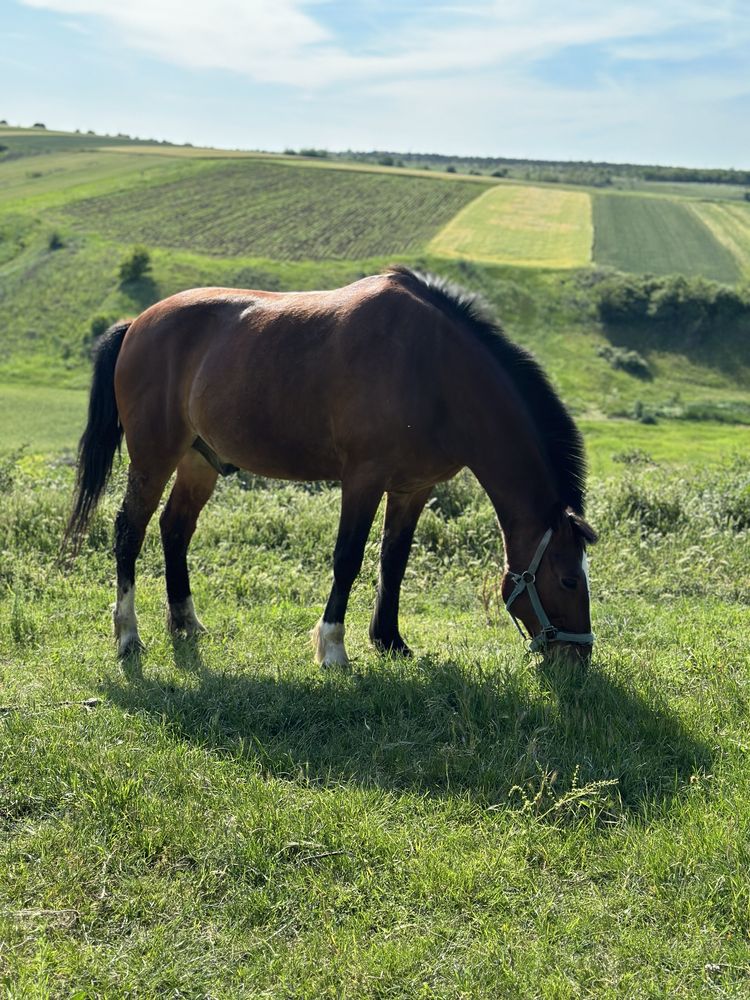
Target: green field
[(523, 226), (226, 820), (254, 208), (221, 818), (657, 236)]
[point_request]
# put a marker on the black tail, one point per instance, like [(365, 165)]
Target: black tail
[(102, 437)]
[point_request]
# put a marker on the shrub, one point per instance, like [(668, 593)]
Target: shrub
[(136, 265), (626, 360), (693, 305)]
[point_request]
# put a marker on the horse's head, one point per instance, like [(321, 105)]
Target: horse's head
[(550, 595)]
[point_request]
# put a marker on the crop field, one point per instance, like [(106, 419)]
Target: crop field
[(657, 236), (524, 226), (220, 817), (284, 212), (730, 224)]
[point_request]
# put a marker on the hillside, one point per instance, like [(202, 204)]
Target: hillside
[(71, 208)]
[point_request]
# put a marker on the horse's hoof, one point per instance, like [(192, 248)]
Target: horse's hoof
[(182, 620), (129, 645), (396, 648), (328, 643)]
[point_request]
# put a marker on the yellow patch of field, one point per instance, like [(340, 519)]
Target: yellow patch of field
[(521, 225), (730, 224)]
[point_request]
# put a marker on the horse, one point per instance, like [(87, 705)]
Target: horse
[(389, 385)]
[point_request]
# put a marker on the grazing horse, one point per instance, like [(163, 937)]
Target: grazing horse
[(390, 385)]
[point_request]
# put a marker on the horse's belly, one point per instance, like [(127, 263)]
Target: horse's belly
[(268, 440)]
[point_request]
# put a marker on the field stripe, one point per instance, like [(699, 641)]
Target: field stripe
[(730, 224), (648, 235), (522, 225)]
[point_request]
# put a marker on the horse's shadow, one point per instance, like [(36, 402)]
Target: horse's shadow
[(568, 741)]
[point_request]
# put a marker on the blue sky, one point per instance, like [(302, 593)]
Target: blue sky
[(665, 81)]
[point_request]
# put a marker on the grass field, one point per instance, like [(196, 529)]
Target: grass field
[(223, 819), (657, 236), (524, 226), (43, 419), (285, 212), (730, 224)]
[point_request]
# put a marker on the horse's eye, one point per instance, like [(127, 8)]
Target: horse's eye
[(570, 582)]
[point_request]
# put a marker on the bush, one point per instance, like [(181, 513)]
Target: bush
[(625, 360), (136, 265), (691, 304)]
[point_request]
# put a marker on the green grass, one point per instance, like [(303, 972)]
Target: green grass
[(226, 820), (525, 226), (45, 182), (44, 419), (261, 209), (657, 236)]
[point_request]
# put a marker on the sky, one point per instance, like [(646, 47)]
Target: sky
[(647, 81)]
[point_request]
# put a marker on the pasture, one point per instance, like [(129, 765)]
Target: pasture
[(657, 236), (221, 818), (525, 226)]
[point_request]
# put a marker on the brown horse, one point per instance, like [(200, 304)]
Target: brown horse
[(390, 385)]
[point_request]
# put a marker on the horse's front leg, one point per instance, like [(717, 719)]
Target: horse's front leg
[(359, 501)]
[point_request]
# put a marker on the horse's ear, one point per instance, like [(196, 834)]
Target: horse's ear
[(582, 527)]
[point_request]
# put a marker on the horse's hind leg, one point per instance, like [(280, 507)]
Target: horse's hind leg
[(193, 486), (141, 500), (359, 501), (402, 512)]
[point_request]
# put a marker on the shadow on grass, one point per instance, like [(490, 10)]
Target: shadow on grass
[(436, 728), (143, 291), (723, 347)]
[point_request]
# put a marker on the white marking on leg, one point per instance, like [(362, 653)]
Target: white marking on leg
[(126, 622), (328, 640), (182, 618), (585, 568)]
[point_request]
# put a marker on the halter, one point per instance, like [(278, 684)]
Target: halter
[(527, 581)]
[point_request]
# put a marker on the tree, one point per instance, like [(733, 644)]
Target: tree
[(136, 265)]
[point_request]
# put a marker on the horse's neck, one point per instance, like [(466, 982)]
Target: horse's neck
[(511, 465), (524, 499)]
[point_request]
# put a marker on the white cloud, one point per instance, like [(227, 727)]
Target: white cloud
[(281, 41)]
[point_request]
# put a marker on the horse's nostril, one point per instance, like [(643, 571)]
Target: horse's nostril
[(570, 582)]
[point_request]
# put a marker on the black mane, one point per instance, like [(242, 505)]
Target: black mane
[(558, 434)]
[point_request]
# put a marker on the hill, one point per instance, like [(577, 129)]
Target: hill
[(70, 208)]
